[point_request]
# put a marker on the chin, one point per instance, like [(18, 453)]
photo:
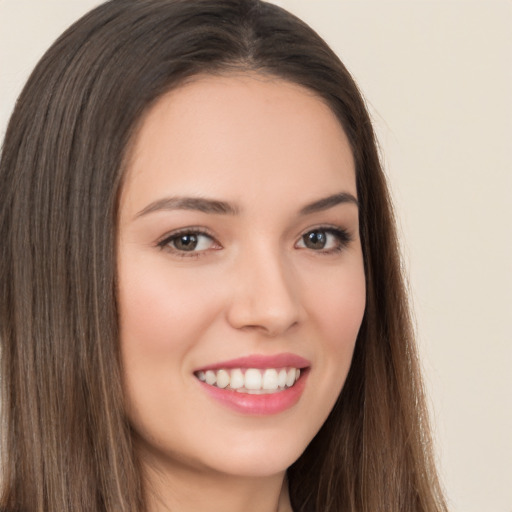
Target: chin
[(242, 458), (257, 458)]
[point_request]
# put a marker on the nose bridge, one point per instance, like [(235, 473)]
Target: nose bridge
[(265, 294)]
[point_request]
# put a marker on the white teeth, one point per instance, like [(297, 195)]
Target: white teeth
[(270, 379), (251, 380), (210, 377), (222, 378), (281, 380), (237, 379), (290, 377)]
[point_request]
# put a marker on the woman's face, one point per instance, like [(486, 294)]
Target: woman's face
[(240, 267)]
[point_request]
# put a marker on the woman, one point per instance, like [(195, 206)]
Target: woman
[(202, 306)]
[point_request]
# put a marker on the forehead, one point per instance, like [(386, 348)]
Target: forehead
[(244, 131)]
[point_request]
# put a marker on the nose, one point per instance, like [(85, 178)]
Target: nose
[(265, 295)]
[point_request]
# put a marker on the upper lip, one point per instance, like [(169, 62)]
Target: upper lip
[(260, 361)]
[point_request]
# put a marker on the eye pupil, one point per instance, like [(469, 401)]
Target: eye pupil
[(186, 242), (315, 240)]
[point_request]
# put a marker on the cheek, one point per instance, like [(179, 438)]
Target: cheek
[(338, 300), (163, 316), (160, 310), (341, 313), (337, 309)]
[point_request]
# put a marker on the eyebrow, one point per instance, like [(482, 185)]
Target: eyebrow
[(190, 203), (223, 208), (329, 202)]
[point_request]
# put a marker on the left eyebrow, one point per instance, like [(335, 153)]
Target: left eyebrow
[(329, 202), (190, 203)]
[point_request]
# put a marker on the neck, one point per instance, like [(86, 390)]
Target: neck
[(180, 489)]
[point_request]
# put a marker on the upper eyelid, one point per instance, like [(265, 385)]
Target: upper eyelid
[(185, 231), (165, 244), (332, 228), (343, 235)]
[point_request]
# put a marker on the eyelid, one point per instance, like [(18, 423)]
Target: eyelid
[(342, 234), (164, 243)]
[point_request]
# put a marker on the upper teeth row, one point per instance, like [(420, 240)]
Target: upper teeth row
[(252, 379)]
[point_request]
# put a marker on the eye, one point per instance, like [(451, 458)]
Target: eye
[(188, 242), (325, 240)]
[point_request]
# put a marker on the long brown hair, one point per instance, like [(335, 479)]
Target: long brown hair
[(66, 443)]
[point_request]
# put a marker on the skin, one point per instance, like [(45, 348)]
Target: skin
[(252, 286)]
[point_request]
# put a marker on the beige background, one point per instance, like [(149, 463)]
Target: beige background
[(438, 79)]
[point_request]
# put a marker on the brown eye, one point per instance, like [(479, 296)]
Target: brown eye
[(192, 242), (186, 242), (325, 240), (315, 240)]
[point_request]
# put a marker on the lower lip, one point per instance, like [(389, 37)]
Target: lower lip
[(261, 405)]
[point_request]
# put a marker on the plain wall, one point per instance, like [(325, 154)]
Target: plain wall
[(437, 76)]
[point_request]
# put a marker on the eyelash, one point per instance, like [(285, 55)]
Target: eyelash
[(165, 243), (342, 235)]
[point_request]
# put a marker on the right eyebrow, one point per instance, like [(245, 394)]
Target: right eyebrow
[(329, 202), (200, 204)]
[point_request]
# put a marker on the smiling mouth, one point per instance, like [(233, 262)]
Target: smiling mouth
[(251, 380)]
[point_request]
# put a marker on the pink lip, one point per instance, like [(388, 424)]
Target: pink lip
[(261, 405), (272, 403), (261, 362)]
